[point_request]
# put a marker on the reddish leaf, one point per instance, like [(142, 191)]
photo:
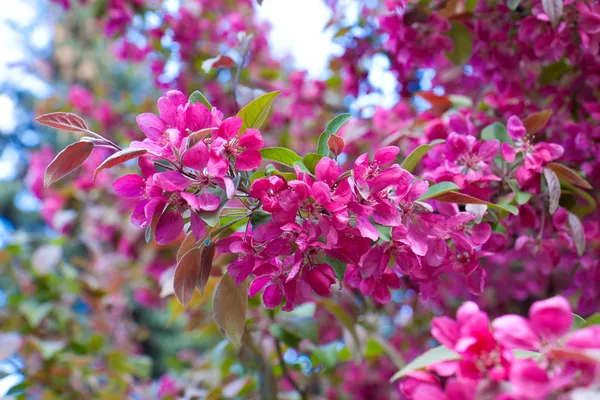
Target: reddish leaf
[(188, 243), (186, 275), (536, 122), (197, 136), (220, 61), (230, 303), (458, 198), (67, 161), (439, 104), (119, 158), (553, 189), (64, 121), (568, 175), (577, 232), (335, 144), (206, 261), (194, 264)]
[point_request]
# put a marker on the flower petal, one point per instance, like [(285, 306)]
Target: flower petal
[(169, 227)]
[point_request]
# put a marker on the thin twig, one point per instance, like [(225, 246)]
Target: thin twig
[(238, 72), (286, 372)]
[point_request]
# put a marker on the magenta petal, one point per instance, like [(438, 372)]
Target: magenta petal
[(514, 332), (318, 281), (155, 206), (366, 228), (251, 140), (208, 201), (515, 128), (169, 227), (551, 318), (230, 128), (146, 165), (508, 152), (130, 186), (272, 296), (386, 155), (196, 157), (529, 380), (258, 284), (373, 262), (172, 181), (586, 338), (191, 199), (381, 294), (488, 150), (248, 160), (152, 126), (198, 226), (321, 192), (328, 171), (198, 117), (367, 286), (445, 330), (167, 106), (138, 217)]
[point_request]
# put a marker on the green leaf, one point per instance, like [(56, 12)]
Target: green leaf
[(34, 312), (553, 72), (302, 167), (463, 43), (499, 228), (286, 336), (288, 176), (432, 356), (470, 6), (373, 349), (332, 128), (311, 160), (281, 155), (524, 354), (259, 217), (328, 355), (198, 97), (304, 310), (141, 366), (438, 189), (256, 112), (385, 232), (496, 131), (520, 196), (592, 320), (49, 348), (305, 327), (578, 321), (411, 161), (513, 4), (338, 266)]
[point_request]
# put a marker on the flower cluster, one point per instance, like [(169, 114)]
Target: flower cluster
[(203, 153), (368, 222), (513, 358)]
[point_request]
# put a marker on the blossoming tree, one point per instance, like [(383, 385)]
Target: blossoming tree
[(325, 245)]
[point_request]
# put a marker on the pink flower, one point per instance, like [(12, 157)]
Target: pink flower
[(243, 148)]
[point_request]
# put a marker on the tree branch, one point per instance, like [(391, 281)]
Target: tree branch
[(286, 372)]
